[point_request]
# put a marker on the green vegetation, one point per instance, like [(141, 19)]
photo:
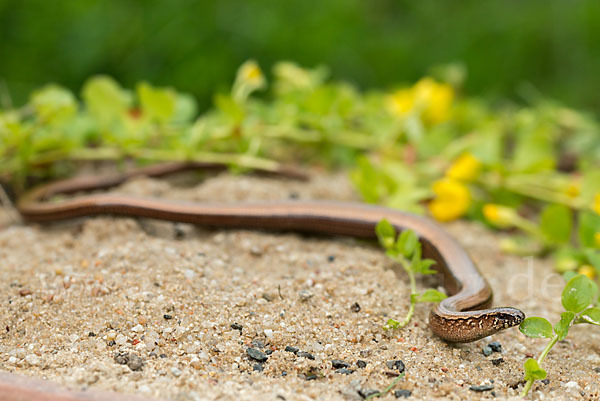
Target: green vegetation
[(580, 300), (405, 249), (196, 45)]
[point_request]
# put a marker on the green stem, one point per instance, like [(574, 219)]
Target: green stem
[(387, 389), (413, 291), (539, 361)]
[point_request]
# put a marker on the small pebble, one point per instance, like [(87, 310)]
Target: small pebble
[(402, 393), (497, 362), (366, 392), (361, 364), (236, 326), (487, 350), (337, 364), (330, 258), (258, 367), (307, 355), (546, 381), (258, 343), (268, 333), (121, 339), (121, 358), (597, 370), (396, 364), (344, 371), (135, 363), (289, 348), (256, 354), (495, 346), (305, 295), (32, 359), (167, 317), (137, 328), (163, 356), (91, 334), (176, 372), (484, 387), (355, 307), (24, 292)]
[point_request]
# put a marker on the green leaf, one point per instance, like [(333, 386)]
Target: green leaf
[(533, 370), (556, 223), (589, 225), (429, 295), (423, 267), (593, 256), (158, 104), (105, 99), (536, 327), (562, 327), (386, 234), (391, 324), (53, 103), (579, 293), (407, 243), (590, 315)]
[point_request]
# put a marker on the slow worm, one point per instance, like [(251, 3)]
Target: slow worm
[(462, 317)]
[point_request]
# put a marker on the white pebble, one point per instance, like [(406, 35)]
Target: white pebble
[(138, 328), (269, 333), (32, 359), (73, 337), (12, 360), (176, 372), (121, 339)]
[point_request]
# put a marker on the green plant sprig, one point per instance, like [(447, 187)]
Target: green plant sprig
[(405, 249), (579, 298)]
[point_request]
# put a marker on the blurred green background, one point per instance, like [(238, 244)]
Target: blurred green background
[(196, 46)]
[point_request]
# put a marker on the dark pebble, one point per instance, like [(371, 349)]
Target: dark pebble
[(121, 358), (366, 392), (152, 354), (396, 364), (258, 367), (91, 334), (361, 364), (167, 317), (495, 346), (546, 381), (256, 354), (163, 356), (311, 377), (337, 364), (497, 362), (402, 393), (307, 355), (135, 363), (293, 195), (485, 387), (344, 371), (289, 348), (269, 351), (111, 343), (267, 297), (284, 373), (355, 307), (597, 370), (487, 350), (330, 258), (236, 326), (258, 343)]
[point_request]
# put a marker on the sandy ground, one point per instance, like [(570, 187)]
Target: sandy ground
[(169, 311)]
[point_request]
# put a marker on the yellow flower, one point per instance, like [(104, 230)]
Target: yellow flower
[(499, 215), (597, 239), (430, 100), (573, 190), (588, 271), (452, 199), (249, 78), (596, 206), (465, 168)]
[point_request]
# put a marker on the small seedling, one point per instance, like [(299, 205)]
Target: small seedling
[(405, 249), (580, 300)]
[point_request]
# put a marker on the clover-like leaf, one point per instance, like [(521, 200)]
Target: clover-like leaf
[(562, 327), (579, 293), (536, 327), (386, 234), (423, 267), (590, 315), (533, 370), (429, 295)]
